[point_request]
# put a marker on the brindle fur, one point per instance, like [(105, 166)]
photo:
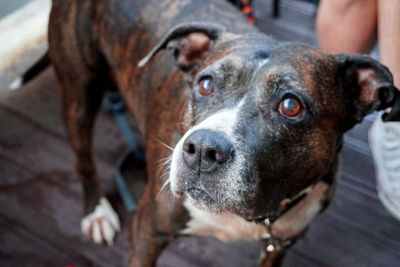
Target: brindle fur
[(95, 46)]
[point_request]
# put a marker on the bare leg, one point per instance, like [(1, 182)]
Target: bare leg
[(347, 25), (389, 36), (384, 137)]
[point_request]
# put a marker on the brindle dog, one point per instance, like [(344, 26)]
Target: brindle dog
[(256, 125)]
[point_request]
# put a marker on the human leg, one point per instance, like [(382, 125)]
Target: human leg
[(347, 25), (385, 137)]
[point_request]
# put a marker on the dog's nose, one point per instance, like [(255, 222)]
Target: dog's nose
[(205, 150)]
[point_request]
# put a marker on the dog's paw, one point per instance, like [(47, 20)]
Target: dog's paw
[(102, 224)]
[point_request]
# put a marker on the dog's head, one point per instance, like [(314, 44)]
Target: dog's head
[(266, 118)]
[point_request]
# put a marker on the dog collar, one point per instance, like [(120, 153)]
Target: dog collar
[(286, 205), (271, 242)]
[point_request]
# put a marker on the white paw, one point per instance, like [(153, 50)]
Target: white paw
[(102, 224)]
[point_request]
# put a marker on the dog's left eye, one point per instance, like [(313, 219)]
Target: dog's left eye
[(206, 87), (290, 107)]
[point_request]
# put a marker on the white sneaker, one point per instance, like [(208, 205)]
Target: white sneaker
[(384, 139)]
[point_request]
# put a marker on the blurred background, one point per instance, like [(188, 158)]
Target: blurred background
[(40, 197)]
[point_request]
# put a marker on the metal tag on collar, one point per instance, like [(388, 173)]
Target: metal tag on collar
[(270, 248)]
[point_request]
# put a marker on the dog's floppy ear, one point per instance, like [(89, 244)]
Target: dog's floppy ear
[(368, 86), (188, 42)]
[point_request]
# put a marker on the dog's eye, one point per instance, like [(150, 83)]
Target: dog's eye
[(290, 107), (206, 87)]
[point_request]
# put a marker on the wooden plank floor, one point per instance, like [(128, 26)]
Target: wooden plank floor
[(40, 198)]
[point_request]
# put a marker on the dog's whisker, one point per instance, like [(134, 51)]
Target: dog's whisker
[(167, 146), (204, 189), (163, 160), (161, 169), (165, 174), (165, 168), (163, 187), (185, 124), (164, 165)]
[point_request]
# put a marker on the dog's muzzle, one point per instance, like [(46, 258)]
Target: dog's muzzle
[(205, 151)]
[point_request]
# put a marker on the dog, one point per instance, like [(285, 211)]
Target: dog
[(252, 127)]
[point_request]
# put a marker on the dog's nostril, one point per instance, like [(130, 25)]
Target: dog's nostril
[(212, 155), (192, 149), (218, 155), (189, 148)]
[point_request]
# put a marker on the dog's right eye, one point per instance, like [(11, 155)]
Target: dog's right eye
[(290, 107), (206, 87)]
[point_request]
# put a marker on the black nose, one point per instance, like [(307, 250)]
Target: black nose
[(204, 150)]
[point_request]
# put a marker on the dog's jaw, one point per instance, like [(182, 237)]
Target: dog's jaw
[(102, 224)]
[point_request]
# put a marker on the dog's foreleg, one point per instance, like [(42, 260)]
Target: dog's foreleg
[(81, 101), (158, 221), (147, 242)]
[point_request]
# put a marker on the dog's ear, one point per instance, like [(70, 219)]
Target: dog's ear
[(188, 42), (368, 86)]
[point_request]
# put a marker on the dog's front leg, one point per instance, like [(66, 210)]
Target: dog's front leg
[(160, 217), (84, 78), (81, 100), (157, 222)]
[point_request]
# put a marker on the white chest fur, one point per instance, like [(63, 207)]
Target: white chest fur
[(228, 227), (225, 226)]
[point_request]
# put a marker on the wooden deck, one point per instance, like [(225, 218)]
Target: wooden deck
[(40, 198)]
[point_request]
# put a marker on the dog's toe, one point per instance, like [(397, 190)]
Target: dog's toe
[(96, 233), (102, 224), (108, 232)]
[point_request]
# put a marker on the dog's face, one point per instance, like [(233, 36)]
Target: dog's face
[(261, 128), (266, 122)]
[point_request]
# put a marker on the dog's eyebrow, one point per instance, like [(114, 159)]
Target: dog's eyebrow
[(283, 79), (227, 66)]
